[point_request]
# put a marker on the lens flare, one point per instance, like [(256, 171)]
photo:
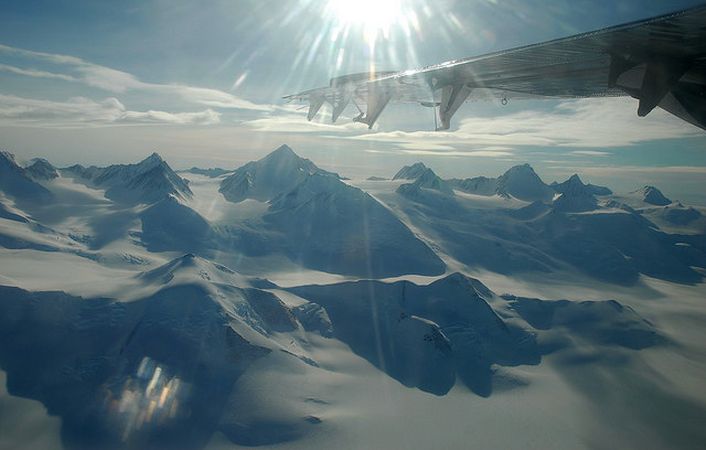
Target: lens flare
[(373, 17)]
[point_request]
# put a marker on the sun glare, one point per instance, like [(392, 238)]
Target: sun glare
[(373, 17)]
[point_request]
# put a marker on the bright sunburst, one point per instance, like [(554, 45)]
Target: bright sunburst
[(373, 17)]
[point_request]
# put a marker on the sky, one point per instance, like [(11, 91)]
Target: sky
[(102, 82)]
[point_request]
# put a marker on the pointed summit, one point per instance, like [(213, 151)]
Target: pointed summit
[(41, 169), (653, 196), (275, 174), (283, 151), (154, 157), (575, 197), (575, 184), (148, 181), (426, 180), (575, 178), (522, 182), (149, 163), (410, 172)]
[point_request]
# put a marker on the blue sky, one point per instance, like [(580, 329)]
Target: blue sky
[(101, 82)]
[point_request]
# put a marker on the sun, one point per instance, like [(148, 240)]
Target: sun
[(373, 17)]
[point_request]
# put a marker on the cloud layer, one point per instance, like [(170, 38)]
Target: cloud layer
[(588, 123), (84, 111)]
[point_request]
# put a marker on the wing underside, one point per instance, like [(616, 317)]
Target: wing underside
[(659, 61)]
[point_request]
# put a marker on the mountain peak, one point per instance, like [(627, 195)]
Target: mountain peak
[(16, 181), (7, 157), (426, 180), (284, 155), (574, 185), (41, 169), (411, 172), (153, 159), (148, 181), (275, 174), (520, 169), (653, 196), (283, 149), (575, 178), (522, 182)]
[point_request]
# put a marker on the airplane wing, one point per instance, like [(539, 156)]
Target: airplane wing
[(659, 61)]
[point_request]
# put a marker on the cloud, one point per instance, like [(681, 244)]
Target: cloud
[(35, 73), (117, 81), (81, 111), (622, 170), (588, 123), (456, 154), (589, 153), (287, 119)]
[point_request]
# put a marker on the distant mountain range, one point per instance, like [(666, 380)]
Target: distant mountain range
[(319, 221)]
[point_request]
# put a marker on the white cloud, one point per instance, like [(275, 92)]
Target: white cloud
[(35, 73), (471, 154), (589, 153), (288, 120), (117, 81), (464, 154), (81, 111), (622, 170), (589, 123)]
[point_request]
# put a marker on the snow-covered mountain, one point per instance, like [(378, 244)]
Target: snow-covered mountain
[(275, 174), (574, 196), (520, 182), (183, 345), (678, 214), (459, 328), (651, 195), (410, 172), (148, 181), (41, 169), (475, 185), (331, 226), (603, 239), (127, 341), (16, 182), (588, 188), (426, 180)]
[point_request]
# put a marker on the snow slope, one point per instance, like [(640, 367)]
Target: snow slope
[(331, 226)]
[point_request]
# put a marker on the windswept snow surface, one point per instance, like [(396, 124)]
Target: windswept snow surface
[(276, 305)]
